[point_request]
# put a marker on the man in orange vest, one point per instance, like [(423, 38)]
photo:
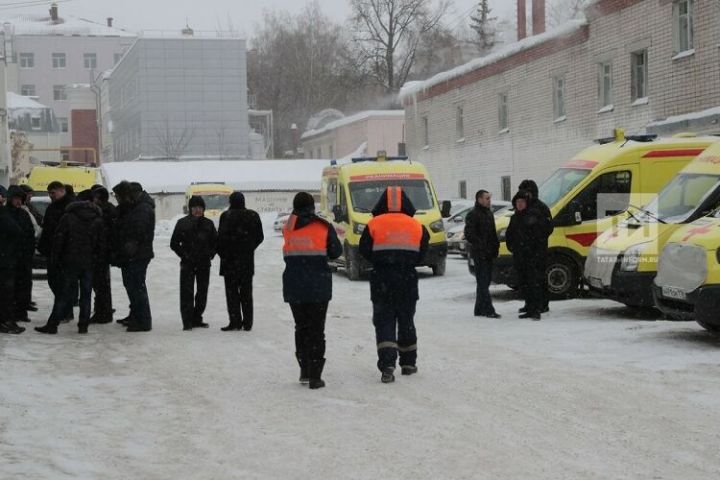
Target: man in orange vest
[(395, 243), (307, 283)]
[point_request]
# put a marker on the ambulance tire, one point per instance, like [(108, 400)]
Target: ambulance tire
[(352, 267), (563, 279), (709, 327), (439, 268)]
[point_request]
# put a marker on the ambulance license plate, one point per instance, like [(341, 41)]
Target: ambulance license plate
[(674, 293)]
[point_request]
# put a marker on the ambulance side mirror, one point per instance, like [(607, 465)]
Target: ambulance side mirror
[(445, 209), (338, 214)]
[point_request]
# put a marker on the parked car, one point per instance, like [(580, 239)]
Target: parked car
[(456, 227), (280, 221)]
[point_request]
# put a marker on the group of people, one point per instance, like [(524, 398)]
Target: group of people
[(527, 239)]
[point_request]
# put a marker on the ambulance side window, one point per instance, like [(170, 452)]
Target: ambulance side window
[(331, 193), (342, 201), (607, 195)]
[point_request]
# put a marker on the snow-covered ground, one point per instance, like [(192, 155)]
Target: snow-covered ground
[(589, 392)]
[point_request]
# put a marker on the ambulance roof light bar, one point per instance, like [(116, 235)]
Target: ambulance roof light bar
[(620, 137)]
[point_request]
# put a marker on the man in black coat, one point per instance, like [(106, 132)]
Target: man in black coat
[(23, 267), (484, 248), (239, 235), (60, 199), (77, 248), (133, 235), (194, 240), (10, 246), (548, 227), (307, 283), (394, 243), (101, 276), (525, 237)]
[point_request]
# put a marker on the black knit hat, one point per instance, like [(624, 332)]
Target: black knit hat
[(15, 191), (196, 201), (303, 201), (27, 188)]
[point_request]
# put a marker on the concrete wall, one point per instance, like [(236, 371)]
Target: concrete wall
[(536, 143), (379, 133)]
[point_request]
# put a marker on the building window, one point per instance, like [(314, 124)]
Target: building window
[(463, 189), (460, 122), (639, 75), (605, 84), (90, 61), (35, 123), (559, 97), (27, 90), (27, 60), (684, 25), (425, 131), (59, 60), (64, 127), (59, 93), (505, 188), (116, 58), (503, 112)]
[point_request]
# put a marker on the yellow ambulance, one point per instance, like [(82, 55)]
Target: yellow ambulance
[(349, 192), (216, 196), (79, 177), (621, 170), (624, 260), (687, 286)]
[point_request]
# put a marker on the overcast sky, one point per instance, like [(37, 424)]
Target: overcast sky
[(206, 14)]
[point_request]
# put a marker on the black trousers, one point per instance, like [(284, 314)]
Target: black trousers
[(310, 337), (239, 297), (23, 287), (395, 332), (483, 277), (103, 292), (533, 284), (7, 295), (55, 281), (134, 275), (71, 279), (193, 302)]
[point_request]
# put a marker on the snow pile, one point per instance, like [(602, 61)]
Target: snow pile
[(41, 24), (253, 175), (358, 117), (412, 88)]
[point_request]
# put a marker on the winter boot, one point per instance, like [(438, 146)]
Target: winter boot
[(69, 318), (408, 369), (32, 307), (47, 328), (11, 328), (198, 323), (230, 327), (82, 329), (316, 383), (125, 321), (522, 310), (387, 375), (530, 315), (314, 372), (304, 376)]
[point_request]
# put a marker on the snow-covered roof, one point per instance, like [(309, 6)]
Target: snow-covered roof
[(358, 117), (42, 24), (253, 175), (17, 102), (415, 87)]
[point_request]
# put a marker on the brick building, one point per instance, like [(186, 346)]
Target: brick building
[(644, 65)]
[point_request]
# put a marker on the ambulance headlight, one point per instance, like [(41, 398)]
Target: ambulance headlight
[(631, 258), (358, 228), (437, 227)]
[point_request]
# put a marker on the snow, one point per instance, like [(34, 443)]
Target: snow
[(588, 392), (358, 117), (176, 176), (640, 101), (685, 54), (414, 87), (607, 109), (686, 117), (15, 101), (41, 24)]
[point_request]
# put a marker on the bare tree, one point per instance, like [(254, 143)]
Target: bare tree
[(173, 142), (561, 11), (388, 33)]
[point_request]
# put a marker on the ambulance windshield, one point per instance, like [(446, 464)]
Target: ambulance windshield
[(684, 196), (560, 184), (365, 195)]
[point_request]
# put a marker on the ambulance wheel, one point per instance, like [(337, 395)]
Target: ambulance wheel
[(352, 267), (709, 327), (563, 279), (439, 268)]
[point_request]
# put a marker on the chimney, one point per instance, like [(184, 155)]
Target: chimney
[(521, 19), (109, 21), (54, 12), (538, 17)]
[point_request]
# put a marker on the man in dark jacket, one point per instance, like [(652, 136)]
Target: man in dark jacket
[(133, 235), (101, 276), (525, 236), (23, 267), (194, 240), (307, 283), (76, 250), (548, 226), (239, 235), (484, 247), (394, 243), (60, 199), (10, 246)]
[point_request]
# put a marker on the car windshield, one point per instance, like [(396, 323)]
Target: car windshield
[(41, 205), (216, 202), (560, 183), (683, 196), (365, 195)]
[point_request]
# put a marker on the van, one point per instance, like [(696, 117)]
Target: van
[(624, 260), (349, 192), (626, 167), (79, 177), (216, 196), (687, 286)]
